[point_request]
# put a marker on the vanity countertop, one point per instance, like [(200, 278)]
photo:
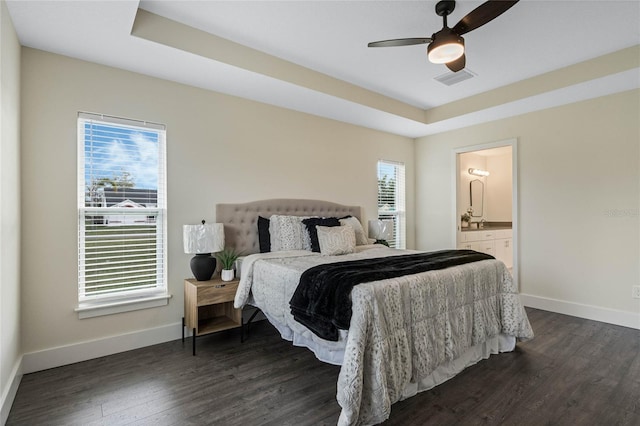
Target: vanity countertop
[(488, 226)]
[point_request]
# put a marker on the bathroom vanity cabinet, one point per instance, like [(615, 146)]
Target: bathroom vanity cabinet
[(498, 243)]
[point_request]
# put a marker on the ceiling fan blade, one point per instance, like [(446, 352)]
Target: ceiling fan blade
[(458, 64), (400, 42), (482, 14)]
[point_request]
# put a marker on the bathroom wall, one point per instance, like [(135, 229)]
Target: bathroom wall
[(497, 206), (498, 191)]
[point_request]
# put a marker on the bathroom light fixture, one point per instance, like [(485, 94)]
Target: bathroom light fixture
[(478, 172)]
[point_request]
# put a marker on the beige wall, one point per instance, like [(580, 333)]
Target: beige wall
[(579, 198), (499, 188), (9, 211), (219, 148)]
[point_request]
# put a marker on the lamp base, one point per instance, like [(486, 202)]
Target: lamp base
[(203, 266)]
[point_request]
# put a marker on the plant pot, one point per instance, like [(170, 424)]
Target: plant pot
[(227, 274), (465, 224)]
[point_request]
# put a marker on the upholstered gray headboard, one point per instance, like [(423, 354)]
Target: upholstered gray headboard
[(241, 220)]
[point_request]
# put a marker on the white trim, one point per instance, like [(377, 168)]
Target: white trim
[(112, 119), (596, 313), (9, 392), (83, 351), (513, 143), (108, 308)]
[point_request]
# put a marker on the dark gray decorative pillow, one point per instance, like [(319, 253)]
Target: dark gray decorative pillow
[(264, 238), (311, 224)]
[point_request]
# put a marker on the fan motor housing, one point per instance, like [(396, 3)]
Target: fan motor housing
[(445, 7)]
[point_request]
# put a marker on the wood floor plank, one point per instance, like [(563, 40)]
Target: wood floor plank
[(574, 371), (627, 394)]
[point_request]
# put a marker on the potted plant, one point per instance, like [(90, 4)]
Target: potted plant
[(465, 218), (227, 258)]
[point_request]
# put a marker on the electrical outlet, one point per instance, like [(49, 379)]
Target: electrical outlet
[(635, 291)]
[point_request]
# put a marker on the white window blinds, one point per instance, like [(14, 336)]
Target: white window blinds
[(121, 208), (391, 199)]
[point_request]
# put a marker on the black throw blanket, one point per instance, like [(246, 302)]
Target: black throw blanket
[(322, 300)]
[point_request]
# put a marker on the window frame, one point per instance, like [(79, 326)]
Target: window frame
[(90, 305), (398, 214)]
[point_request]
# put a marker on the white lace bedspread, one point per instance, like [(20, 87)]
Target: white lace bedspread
[(401, 329)]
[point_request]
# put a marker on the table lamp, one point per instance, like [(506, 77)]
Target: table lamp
[(202, 240), (381, 230)]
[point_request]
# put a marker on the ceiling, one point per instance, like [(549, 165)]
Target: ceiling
[(311, 56)]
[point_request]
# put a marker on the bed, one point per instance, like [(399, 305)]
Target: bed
[(406, 334)]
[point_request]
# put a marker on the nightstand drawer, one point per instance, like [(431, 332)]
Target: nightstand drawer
[(218, 293)]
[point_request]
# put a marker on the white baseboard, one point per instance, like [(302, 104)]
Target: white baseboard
[(9, 393), (83, 351), (596, 313)]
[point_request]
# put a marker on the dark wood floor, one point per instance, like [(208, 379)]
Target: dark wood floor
[(574, 372)]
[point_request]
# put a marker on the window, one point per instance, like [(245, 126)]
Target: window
[(391, 199), (121, 213)]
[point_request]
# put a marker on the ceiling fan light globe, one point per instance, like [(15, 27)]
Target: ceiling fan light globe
[(447, 46), (445, 53)]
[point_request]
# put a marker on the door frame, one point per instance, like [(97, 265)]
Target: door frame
[(513, 143)]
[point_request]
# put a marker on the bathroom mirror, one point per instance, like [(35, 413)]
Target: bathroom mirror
[(476, 189)]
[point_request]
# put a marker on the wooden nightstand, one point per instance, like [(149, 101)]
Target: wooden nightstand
[(208, 307)]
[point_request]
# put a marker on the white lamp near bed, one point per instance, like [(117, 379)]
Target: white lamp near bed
[(202, 240), (381, 230)]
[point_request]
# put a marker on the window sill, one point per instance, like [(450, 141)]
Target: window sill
[(98, 309)]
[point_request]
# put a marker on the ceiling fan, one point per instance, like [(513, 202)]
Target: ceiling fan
[(447, 45)]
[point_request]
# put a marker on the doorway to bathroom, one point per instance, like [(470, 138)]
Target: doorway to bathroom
[(486, 201)]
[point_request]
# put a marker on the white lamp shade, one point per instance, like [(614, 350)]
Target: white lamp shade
[(381, 229), (204, 238)]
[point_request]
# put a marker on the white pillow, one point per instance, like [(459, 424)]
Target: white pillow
[(336, 240), (361, 237), (288, 233), (306, 238)]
